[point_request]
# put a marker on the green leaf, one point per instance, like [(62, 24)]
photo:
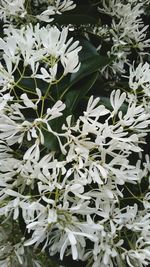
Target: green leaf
[(88, 50), (89, 66), (27, 83), (50, 141), (74, 96), (75, 19), (90, 60)]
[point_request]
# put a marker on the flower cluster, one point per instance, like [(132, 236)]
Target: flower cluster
[(74, 172), (16, 9), (87, 180), (40, 49), (126, 31)]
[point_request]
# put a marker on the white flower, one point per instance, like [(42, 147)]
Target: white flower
[(139, 255), (11, 8), (46, 76), (117, 99), (28, 102), (14, 127), (6, 75), (140, 77), (127, 25), (47, 14), (105, 250), (10, 130), (33, 153), (95, 110), (126, 31), (4, 99), (70, 62), (64, 5), (47, 46), (55, 7), (136, 117)]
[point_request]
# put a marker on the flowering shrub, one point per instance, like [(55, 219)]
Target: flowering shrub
[(74, 129)]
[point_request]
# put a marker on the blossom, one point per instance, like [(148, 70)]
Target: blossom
[(92, 158), (46, 45), (13, 131), (127, 30), (6, 77), (46, 76), (28, 102), (139, 255), (117, 99), (76, 178), (65, 5), (55, 7), (11, 8), (127, 25), (139, 78), (70, 62)]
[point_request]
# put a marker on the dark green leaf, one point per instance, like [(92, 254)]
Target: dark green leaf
[(88, 50), (75, 19), (74, 96), (88, 66), (27, 83), (50, 141)]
